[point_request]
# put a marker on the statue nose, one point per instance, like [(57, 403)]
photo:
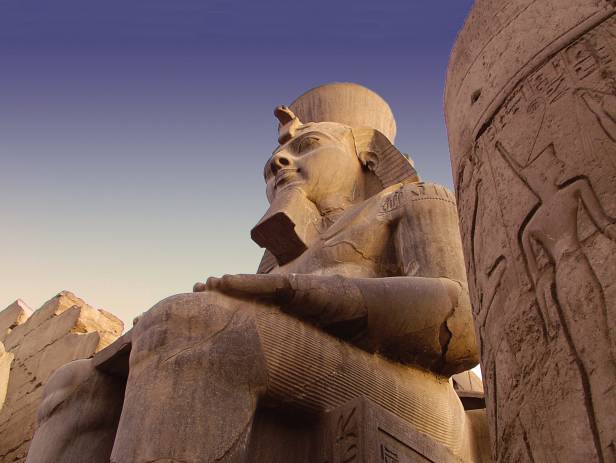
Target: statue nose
[(279, 161)]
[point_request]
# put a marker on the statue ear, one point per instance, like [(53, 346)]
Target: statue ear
[(369, 159), (378, 155)]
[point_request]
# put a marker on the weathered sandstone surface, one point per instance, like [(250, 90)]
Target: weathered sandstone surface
[(32, 346)]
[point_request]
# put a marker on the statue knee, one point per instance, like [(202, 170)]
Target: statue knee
[(77, 400), (188, 323), (196, 363), (61, 385)]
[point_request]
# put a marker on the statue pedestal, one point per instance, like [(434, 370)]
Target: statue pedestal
[(359, 432)]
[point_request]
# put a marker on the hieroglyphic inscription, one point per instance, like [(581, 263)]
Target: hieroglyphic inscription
[(585, 68), (551, 80), (346, 446), (388, 455), (394, 450), (392, 202), (408, 193), (591, 53)]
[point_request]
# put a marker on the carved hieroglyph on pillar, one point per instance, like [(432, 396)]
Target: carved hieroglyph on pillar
[(531, 113)]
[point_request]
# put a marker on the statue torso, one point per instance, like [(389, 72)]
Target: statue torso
[(358, 244)]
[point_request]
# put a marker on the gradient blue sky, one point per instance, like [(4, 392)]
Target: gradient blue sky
[(133, 133)]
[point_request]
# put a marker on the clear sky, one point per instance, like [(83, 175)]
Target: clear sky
[(133, 133)]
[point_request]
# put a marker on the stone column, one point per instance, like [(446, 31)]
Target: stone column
[(531, 112)]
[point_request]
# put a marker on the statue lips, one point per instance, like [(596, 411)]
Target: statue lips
[(283, 176)]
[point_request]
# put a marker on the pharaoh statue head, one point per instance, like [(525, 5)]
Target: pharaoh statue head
[(335, 149)]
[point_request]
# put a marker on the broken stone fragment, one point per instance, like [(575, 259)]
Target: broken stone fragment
[(34, 346), (6, 358), (15, 314)]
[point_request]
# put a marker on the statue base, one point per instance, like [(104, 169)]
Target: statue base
[(359, 432)]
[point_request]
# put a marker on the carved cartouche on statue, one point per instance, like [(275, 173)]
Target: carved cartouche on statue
[(361, 259)]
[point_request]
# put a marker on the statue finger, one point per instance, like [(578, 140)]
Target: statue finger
[(199, 287), (212, 284), (258, 285), (241, 283)]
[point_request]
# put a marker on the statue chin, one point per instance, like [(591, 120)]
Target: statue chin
[(289, 226)]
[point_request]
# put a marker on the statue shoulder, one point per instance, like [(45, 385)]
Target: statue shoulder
[(421, 191), (402, 198)]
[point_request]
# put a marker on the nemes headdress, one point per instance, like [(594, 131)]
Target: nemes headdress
[(365, 113), (343, 110)]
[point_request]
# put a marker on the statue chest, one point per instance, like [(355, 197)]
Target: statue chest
[(357, 245)]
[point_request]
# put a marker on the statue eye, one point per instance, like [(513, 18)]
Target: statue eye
[(306, 144)]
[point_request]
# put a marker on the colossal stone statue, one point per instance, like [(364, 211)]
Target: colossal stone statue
[(361, 295), (531, 113)]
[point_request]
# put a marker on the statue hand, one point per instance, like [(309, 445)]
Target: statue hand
[(248, 285)]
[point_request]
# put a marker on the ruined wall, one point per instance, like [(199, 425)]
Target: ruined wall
[(32, 347), (531, 114)]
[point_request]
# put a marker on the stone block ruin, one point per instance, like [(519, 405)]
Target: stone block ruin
[(32, 346)]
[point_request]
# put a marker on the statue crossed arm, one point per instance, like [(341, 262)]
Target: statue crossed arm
[(419, 315)]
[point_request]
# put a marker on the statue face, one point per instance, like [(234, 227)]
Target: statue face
[(325, 167)]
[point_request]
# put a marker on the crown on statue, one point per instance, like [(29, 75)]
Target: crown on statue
[(360, 110), (346, 103)]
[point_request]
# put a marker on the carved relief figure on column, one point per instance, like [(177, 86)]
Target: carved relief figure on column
[(361, 293), (551, 227), (531, 115)]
